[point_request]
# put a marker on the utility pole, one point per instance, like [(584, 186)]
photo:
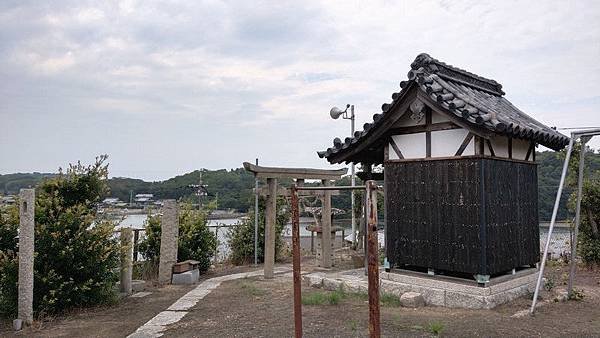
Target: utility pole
[(256, 218), (200, 191), (353, 177)]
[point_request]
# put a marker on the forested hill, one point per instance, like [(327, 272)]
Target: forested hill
[(234, 187)]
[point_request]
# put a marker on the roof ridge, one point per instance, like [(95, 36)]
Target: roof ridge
[(443, 69)]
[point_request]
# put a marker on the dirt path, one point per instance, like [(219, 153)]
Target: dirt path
[(254, 307), (115, 321)]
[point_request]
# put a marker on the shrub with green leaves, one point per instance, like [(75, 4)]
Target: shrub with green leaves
[(196, 241), (588, 243), (76, 254), (241, 235)]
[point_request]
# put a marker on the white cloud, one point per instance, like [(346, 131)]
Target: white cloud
[(228, 68)]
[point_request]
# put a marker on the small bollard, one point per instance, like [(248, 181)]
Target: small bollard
[(18, 324)]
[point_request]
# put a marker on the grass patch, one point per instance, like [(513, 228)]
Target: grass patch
[(353, 325), (436, 328), (315, 298), (251, 289), (390, 300), (324, 297)]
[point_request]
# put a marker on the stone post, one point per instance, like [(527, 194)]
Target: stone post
[(126, 264), (270, 219), (168, 241), (26, 252), (326, 226)]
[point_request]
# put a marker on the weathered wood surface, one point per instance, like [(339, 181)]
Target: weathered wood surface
[(285, 192), (438, 218), (270, 218), (326, 226), (304, 173)]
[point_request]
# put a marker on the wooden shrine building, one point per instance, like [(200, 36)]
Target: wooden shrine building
[(460, 176)]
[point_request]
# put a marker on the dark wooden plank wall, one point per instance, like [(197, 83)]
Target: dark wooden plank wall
[(433, 219), (512, 224), (434, 214)]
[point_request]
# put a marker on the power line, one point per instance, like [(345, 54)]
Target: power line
[(570, 128)]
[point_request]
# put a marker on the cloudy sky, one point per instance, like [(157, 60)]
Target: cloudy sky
[(165, 88)]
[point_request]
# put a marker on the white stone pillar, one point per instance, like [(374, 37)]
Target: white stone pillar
[(126, 263), (270, 220), (26, 254), (168, 241)]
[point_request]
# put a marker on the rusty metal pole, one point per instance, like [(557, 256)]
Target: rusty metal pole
[(373, 259), (296, 262)]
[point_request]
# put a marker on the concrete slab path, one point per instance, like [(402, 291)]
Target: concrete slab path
[(156, 326)]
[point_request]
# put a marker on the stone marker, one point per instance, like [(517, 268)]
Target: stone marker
[(26, 250), (168, 241), (126, 263), (271, 216), (188, 277), (412, 299)]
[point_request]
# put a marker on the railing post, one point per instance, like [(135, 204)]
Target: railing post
[(373, 259), (296, 262)]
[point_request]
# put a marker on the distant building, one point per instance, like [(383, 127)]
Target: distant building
[(7, 200), (143, 200), (111, 201)]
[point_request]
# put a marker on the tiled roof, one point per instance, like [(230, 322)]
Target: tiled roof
[(474, 99)]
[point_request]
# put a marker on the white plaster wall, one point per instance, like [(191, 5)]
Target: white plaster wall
[(520, 148), (500, 145), (411, 146), (437, 117), (446, 142)]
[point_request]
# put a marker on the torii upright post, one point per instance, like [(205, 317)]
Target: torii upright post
[(270, 220), (326, 227)]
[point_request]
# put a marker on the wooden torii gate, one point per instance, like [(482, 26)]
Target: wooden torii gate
[(271, 174)]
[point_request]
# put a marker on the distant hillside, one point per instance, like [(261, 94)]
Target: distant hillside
[(234, 187), (11, 183), (549, 170)]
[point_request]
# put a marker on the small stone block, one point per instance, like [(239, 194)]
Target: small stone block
[(17, 324), (138, 285), (412, 299), (141, 294), (188, 277)]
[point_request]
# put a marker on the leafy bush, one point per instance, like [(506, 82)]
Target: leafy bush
[(9, 272), (588, 242), (77, 255), (589, 236), (196, 241), (241, 236), (9, 222)]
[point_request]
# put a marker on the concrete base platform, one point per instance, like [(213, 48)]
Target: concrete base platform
[(188, 277), (436, 290)]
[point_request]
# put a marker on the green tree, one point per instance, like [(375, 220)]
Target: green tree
[(77, 255), (195, 242), (588, 243), (241, 236)]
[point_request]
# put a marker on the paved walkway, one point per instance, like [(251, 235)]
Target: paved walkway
[(156, 326)]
